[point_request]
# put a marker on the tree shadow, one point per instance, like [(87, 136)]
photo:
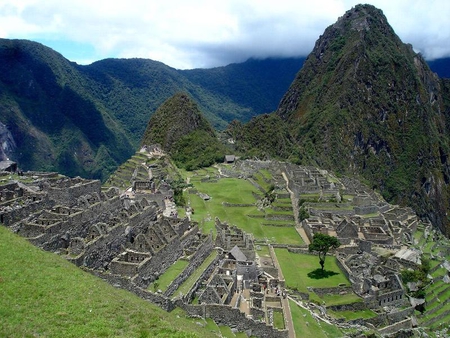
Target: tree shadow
[(320, 274)]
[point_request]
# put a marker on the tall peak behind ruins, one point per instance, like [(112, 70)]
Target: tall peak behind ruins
[(366, 103)]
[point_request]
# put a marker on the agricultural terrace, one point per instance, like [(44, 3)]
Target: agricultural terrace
[(435, 248)]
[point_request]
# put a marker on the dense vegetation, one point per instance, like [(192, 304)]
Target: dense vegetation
[(264, 136), (86, 120), (364, 103), (179, 128)]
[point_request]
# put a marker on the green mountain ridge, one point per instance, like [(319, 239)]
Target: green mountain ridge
[(364, 103), (86, 120)]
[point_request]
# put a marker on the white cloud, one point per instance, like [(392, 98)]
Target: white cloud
[(199, 33)]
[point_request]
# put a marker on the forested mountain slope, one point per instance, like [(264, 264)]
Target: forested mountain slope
[(366, 103), (86, 120)]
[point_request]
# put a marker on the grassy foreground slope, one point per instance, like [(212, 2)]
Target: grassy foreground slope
[(43, 295)]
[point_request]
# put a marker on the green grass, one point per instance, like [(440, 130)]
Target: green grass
[(171, 273), (352, 315), (306, 326), (285, 235), (341, 299), (188, 283), (44, 295), (211, 326), (236, 191), (278, 320), (261, 180), (295, 268), (226, 332), (264, 251)]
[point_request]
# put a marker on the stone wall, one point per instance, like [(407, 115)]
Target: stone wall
[(333, 290), (208, 271), (11, 216), (164, 258), (344, 268), (196, 260), (359, 306), (276, 217), (68, 195), (318, 212), (226, 204), (402, 325), (391, 298), (232, 317), (400, 315)]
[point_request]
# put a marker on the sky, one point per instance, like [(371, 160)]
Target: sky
[(208, 33)]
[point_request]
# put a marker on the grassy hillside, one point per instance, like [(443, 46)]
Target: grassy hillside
[(44, 295)]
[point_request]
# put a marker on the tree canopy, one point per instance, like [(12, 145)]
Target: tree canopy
[(322, 244)]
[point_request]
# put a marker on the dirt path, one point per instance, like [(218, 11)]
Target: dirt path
[(294, 199)]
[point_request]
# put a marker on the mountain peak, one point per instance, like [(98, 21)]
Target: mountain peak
[(181, 129), (362, 17), (366, 103), (176, 117)]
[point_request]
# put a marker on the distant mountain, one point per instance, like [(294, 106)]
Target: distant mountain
[(257, 84), (86, 120), (365, 104), (441, 67), (46, 105), (180, 129)]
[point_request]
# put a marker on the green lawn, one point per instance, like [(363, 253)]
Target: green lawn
[(341, 299), (278, 320), (297, 266), (237, 191), (352, 315), (188, 283), (263, 251), (306, 326), (43, 295), (167, 277)]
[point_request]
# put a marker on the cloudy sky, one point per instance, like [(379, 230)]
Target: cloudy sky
[(207, 33)]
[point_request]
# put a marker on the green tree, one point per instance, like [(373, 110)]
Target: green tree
[(322, 244), (303, 213), (178, 186)]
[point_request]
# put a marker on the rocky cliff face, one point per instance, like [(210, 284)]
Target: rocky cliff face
[(365, 103), (8, 145)]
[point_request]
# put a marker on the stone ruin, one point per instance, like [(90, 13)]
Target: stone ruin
[(127, 240), (366, 226), (239, 282), (130, 239)]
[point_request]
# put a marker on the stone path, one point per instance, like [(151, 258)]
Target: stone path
[(284, 301), (294, 200), (288, 317)]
